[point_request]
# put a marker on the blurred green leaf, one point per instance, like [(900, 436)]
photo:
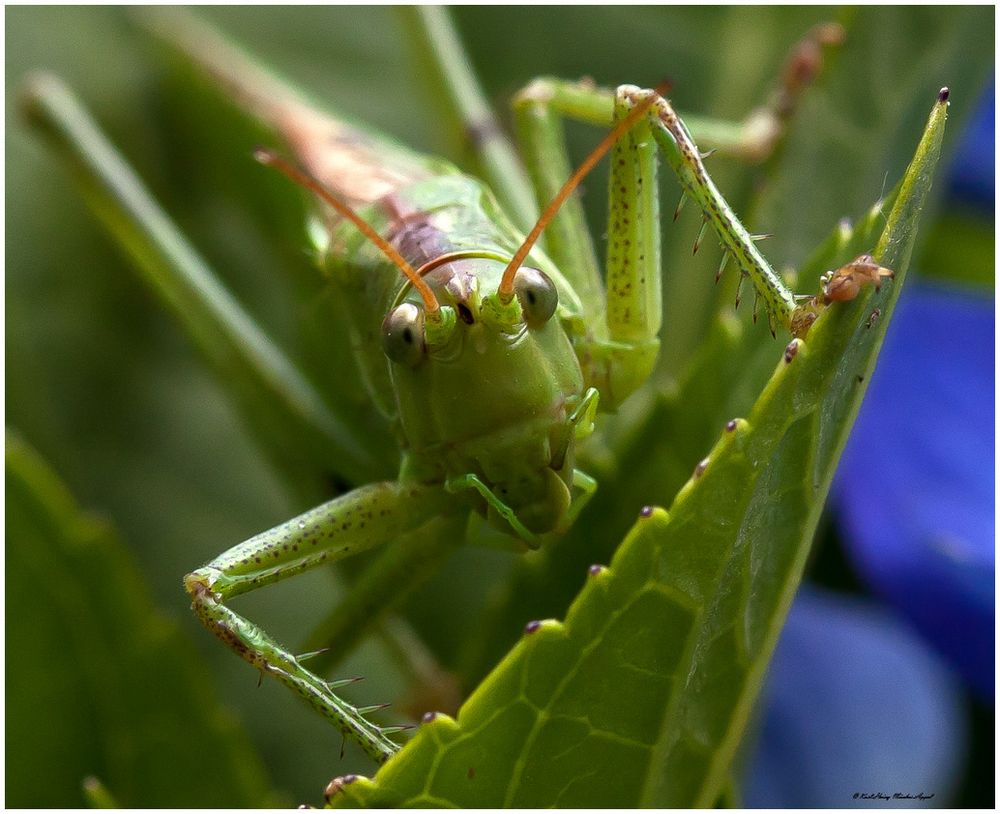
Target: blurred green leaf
[(845, 144), (961, 248), (285, 413), (100, 682)]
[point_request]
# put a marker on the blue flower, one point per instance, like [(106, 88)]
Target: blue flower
[(915, 492), (973, 177), (855, 704)]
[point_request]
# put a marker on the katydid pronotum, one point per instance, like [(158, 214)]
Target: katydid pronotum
[(472, 306)]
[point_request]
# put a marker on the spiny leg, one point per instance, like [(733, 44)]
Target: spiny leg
[(541, 106), (783, 307), (671, 135), (679, 149), (538, 113), (365, 518)]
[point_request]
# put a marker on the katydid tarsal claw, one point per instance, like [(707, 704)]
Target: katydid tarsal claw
[(490, 355)]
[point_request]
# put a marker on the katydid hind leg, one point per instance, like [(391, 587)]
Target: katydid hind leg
[(760, 133), (538, 127)]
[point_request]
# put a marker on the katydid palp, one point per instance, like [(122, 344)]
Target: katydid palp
[(543, 346)]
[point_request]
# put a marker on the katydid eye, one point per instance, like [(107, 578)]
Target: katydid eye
[(403, 334), (537, 295)]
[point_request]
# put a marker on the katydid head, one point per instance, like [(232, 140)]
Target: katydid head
[(485, 383), (492, 396), (465, 315)]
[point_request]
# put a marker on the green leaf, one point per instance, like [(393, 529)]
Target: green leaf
[(640, 697), (110, 698)]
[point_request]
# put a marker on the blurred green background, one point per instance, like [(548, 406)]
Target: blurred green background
[(101, 383)]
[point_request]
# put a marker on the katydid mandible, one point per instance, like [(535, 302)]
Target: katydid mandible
[(491, 355)]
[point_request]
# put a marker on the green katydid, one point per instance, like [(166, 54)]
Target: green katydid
[(480, 310)]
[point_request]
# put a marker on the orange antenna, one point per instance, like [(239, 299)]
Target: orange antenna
[(506, 290), (302, 178)]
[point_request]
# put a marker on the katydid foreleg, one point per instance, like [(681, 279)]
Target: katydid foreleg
[(619, 348), (360, 520), (541, 106)]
